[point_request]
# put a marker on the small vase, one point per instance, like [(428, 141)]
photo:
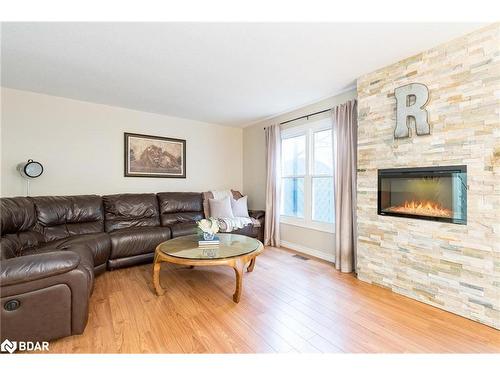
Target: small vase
[(208, 236)]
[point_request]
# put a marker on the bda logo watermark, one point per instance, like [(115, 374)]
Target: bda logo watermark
[(8, 346), (12, 346)]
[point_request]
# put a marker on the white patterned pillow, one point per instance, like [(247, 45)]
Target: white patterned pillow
[(220, 208), (240, 207)]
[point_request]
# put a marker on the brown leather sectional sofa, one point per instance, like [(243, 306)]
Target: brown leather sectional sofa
[(52, 247)]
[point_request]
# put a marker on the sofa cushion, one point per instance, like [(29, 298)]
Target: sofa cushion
[(98, 243), (15, 244), (180, 207), (83, 251), (37, 266), (248, 230), (86, 260), (8, 249), (134, 241), (17, 222), (130, 210), (61, 217), (16, 215), (183, 229)]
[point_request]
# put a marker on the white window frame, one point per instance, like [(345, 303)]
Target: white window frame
[(308, 129)]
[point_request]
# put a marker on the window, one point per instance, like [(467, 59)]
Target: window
[(293, 173), (307, 175), (322, 177)]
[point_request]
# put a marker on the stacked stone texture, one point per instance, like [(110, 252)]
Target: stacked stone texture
[(454, 267)]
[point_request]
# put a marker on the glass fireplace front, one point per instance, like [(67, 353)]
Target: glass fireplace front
[(434, 193)]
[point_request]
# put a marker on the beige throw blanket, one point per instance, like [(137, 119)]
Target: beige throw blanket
[(228, 224), (222, 194)]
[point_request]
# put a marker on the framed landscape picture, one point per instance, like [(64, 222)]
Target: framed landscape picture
[(152, 156)]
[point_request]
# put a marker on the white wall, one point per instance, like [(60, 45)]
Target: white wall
[(254, 178), (81, 145)]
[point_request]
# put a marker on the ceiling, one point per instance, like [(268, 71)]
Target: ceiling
[(225, 73)]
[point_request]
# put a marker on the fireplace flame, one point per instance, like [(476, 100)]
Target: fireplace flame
[(423, 208)]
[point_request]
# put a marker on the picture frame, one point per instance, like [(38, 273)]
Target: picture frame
[(154, 156)]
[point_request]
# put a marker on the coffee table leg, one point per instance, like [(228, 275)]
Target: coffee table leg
[(238, 271), (156, 277), (251, 265)]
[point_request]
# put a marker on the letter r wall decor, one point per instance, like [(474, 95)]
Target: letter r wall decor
[(410, 102)]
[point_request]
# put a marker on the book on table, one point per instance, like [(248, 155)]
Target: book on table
[(213, 242)]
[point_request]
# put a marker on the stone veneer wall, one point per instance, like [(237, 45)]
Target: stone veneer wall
[(454, 267)]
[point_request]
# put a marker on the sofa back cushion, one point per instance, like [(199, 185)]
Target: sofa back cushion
[(16, 215), (130, 210), (17, 222), (180, 207), (61, 217)]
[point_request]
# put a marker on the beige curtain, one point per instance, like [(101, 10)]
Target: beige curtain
[(273, 181), (345, 124)]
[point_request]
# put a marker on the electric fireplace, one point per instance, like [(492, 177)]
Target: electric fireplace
[(433, 193)]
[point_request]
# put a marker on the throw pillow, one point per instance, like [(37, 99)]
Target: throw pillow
[(220, 208), (206, 206), (240, 207)]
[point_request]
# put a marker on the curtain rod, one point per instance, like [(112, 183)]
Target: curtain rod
[(305, 116)]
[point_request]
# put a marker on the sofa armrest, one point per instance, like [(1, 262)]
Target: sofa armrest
[(257, 214), (37, 266)]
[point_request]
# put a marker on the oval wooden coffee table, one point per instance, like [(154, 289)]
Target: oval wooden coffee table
[(234, 251)]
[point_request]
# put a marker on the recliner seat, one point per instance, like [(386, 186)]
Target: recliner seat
[(133, 224), (44, 290), (67, 220), (180, 211)]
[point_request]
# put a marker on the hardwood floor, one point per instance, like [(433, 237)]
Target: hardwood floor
[(287, 305)]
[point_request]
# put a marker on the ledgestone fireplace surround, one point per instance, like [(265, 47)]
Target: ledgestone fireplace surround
[(453, 260)]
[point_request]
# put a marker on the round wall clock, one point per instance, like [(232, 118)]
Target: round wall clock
[(31, 169)]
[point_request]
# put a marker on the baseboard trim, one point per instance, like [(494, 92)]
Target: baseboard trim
[(308, 251)]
